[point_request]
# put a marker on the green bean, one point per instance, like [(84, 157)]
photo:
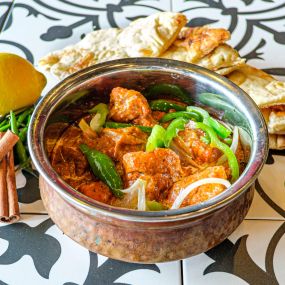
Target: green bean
[(22, 117), (5, 128), (20, 149)]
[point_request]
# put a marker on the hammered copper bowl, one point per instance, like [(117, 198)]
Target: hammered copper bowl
[(135, 236)]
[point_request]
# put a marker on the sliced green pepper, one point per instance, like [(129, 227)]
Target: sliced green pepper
[(184, 114), (215, 142), (99, 119), (103, 167), (156, 138), (154, 206), (228, 141), (172, 130), (174, 91), (165, 105), (221, 130), (115, 125)]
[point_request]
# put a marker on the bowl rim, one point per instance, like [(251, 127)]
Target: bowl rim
[(41, 113)]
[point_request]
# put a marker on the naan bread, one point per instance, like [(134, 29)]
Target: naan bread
[(223, 59), (260, 86), (194, 43), (152, 35), (97, 46), (277, 142), (275, 120)]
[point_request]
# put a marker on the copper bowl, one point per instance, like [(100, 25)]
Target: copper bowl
[(136, 236)]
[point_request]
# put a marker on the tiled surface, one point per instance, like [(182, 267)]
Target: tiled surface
[(240, 259), (5, 7), (246, 257), (40, 253)]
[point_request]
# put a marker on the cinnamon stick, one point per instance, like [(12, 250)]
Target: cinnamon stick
[(7, 142), (14, 212), (9, 207), (4, 210)]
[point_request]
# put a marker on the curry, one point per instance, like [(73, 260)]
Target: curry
[(147, 152)]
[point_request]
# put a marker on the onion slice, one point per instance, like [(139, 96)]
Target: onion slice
[(138, 186), (186, 191), (233, 146)]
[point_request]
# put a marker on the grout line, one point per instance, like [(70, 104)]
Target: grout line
[(33, 213), (265, 219), (8, 14), (181, 271)]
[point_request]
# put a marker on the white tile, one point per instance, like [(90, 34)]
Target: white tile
[(169, 273), (269, 200), (69, 21), (4, 7), (245, 258), (29, 193), (42, 254)]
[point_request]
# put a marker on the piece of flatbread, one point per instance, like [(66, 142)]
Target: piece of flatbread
[(260, 86), (97, 46), (152, 35), (148, 36), (276, 141), (275, 119), (193, 44), (223, 59)]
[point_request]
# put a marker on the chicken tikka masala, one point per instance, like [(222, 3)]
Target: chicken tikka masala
[(147, 154)]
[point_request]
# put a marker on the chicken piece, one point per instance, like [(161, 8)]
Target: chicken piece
[(67, 159), (201, 152), (98, 191), (130, 106), (116, 142), (160, 168), (201, 193)]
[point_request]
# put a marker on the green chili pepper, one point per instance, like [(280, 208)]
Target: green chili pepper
[(184, 114), (20, 149), (156, 138), (115, 125), (221, 130), (174, 91), (103, 167), (99, 119), (154, 206), (165, 106), (215, 142), (173, 129)]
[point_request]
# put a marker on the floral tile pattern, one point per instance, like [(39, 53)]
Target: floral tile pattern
[(5, 9), (66, 262), (253, 254)]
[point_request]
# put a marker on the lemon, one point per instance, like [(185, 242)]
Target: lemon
[(20, 83)]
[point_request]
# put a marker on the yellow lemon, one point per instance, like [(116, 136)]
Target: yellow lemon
[(20, 83)]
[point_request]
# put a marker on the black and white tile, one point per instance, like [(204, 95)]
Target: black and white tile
[(36, 251)]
